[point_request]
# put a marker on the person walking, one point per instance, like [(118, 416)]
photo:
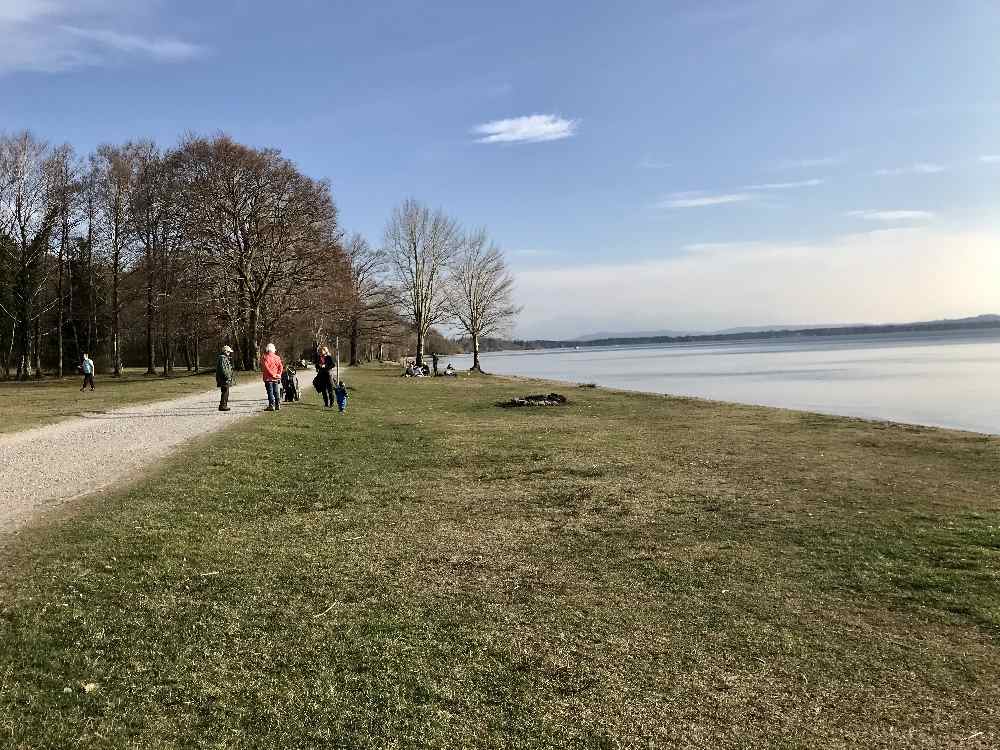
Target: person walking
[(434, 361), (324, 376), (224, 376), (341, 393), (88, 373), (271, 368)]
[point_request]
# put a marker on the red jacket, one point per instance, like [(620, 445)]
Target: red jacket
[(271, 367)]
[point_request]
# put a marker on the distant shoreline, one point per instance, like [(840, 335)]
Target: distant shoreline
[(986, 323)]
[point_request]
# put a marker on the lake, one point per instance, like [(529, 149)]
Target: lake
[(941, 379)]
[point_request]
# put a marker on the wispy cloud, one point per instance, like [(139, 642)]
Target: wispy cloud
[(648, 163), (990, 159), (699, 199), (62, 35), (888, 216), (821, 161), (528, 129), (918, 168), (785, 185), (165, 49)]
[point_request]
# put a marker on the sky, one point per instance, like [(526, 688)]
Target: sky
[(645, 165)]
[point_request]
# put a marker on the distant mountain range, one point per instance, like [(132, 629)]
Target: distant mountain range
[(673, 333), (747, 333)]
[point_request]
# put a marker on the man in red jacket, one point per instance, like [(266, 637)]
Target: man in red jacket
[(271, 368)]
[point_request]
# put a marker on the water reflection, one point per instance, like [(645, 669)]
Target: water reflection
[(947, 380)]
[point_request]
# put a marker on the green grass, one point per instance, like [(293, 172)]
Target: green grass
[(31, 404), (431, 571)]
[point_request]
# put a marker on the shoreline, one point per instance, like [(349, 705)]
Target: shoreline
[(724, 402)]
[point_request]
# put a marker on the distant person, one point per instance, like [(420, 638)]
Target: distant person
[(324, 376), (88, 373), (341, 393), (449, 371), (434, 361), (271, 368), (224, 376)]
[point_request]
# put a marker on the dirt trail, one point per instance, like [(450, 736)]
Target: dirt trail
[(45, 467)]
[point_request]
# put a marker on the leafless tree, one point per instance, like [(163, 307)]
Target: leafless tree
[(65, 185), (156, 218), (266, 230), (28, 215), (365, 300), (480, 291), (112, 168), (419, 246)]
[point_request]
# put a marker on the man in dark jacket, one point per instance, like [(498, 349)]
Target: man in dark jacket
[(224, 376)]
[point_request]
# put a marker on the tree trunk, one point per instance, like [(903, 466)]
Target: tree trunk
[(420, 347), (475, 354), (150, 355), (63, 241), (251, 352), (197, 352), (36, 348), (355, 334), (116, 360)]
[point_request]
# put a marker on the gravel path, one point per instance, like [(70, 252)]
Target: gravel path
[(48, 466)]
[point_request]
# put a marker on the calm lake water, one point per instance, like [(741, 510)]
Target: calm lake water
[(945, 380)]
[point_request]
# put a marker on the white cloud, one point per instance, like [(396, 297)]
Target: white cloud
[(919, 168), (697, 199), (164, 49), (889, 216), (720, 285), (529, 129), (822, 161), (785, 185), (62, 35), (990, 159)]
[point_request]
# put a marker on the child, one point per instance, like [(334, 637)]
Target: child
[(341, 393)]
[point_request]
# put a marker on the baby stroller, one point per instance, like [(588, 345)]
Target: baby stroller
[(289, 391)]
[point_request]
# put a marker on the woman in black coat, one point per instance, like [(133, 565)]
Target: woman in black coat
[(324, 376)]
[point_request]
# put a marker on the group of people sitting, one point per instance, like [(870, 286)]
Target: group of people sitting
[(413, 370), (282, 382)]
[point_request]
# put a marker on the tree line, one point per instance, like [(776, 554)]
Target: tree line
[(160, 255)]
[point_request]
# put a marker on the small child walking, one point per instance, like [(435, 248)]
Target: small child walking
[(341, 393)]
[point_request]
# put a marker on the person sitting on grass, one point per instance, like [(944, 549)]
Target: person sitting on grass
[(224, 376), (341, 393), (271, 368), (88, 373)]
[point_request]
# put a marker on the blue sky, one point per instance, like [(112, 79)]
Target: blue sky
[(645, 164)]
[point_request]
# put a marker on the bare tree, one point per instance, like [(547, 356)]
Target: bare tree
[(266, 230), (419, 246), (365, 299), (480, 291), (112, 168), (66, 188), (28, 215)]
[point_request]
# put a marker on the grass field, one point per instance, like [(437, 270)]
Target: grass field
[(431, 571), (26, 405)]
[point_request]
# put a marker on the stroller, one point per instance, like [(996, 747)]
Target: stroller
[(290, 391)]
